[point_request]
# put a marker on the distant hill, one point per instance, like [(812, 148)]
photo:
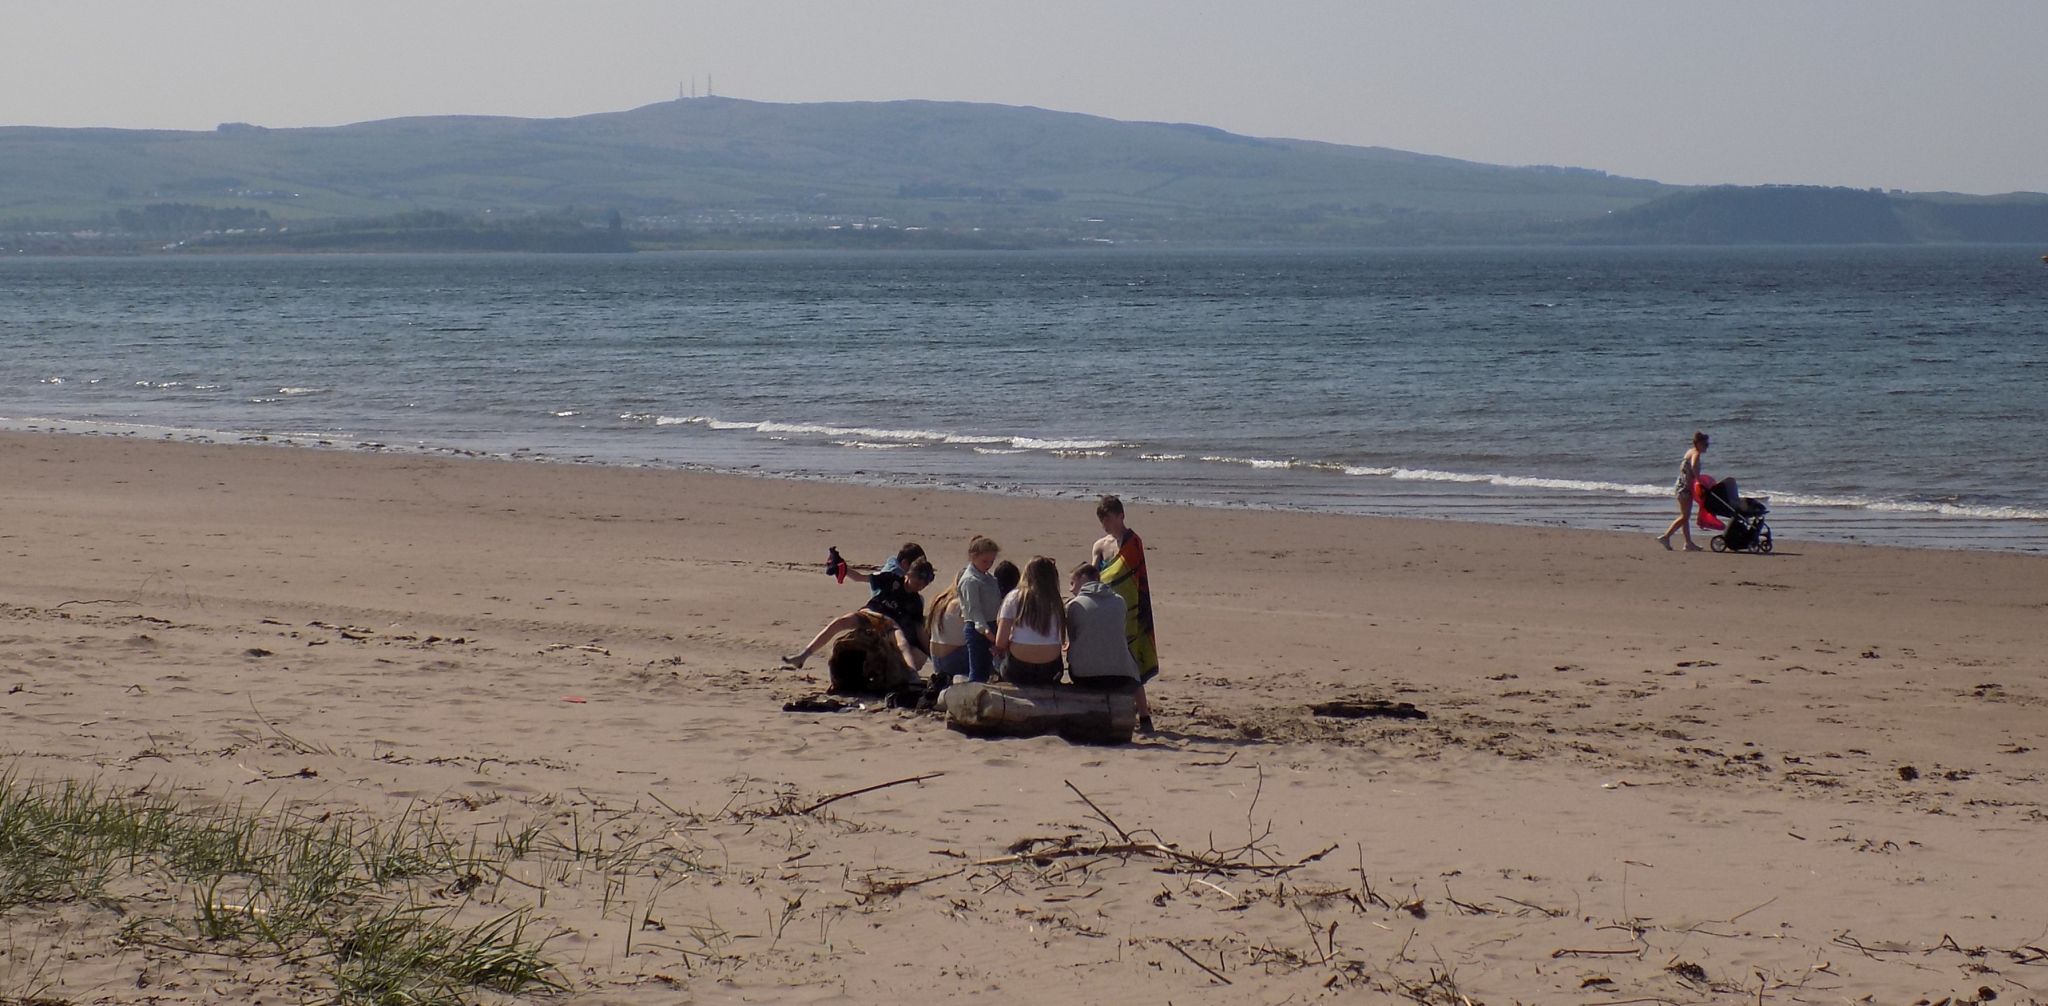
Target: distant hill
[(1803, 214), (713, 171)]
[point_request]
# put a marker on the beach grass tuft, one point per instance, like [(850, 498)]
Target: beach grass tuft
[(326, 895)]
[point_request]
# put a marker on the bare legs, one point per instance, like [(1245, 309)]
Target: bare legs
[(1683, 523), (913, 657), (831, 629)]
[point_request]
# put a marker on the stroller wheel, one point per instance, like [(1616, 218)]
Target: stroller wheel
[(1763, 540), (1718, 544)]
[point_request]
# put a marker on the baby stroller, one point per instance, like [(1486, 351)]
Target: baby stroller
[(1746, 530)]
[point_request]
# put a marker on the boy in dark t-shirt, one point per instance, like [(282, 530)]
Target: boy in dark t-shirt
[(896, 599), (896, 608)]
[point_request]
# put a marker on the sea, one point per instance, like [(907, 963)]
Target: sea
[(1885, 395)]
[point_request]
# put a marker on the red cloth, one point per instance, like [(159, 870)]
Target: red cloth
[(1700, 484)]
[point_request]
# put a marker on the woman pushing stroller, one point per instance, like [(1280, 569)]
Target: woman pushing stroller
[(1688, 475), (1718, 500)]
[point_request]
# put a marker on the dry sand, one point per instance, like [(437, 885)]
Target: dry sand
[(1645, 776)]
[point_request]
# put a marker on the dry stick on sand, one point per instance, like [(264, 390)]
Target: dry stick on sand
[(1172, 855), (1191, 960), (1554, 913), (835, 798), (97, 600), (1214, 862), (1568, 952), (298, 746), (1099, 812), (1366, 882), (891, 888)]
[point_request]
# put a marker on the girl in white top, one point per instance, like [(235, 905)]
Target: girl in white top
[(1031, 627), (947, 634)]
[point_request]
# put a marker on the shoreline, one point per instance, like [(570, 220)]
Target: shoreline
[(1680, 758), (1499, 501)]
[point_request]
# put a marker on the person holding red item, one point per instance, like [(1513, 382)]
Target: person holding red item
[(1688, 475)]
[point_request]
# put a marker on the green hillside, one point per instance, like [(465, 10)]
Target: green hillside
[(724, 163), (725, 172), (1808, 214)]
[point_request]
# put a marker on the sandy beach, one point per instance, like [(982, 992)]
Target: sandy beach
[(1810, 777)]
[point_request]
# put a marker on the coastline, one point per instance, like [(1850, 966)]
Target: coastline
[(1250, 484), (1704, 750)]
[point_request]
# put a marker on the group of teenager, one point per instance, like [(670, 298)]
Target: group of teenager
[(996, 622)]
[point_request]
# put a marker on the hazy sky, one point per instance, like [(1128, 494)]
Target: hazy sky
[(1914, 95)]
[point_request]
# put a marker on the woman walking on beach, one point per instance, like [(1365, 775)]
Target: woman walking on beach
[(1688, 473)]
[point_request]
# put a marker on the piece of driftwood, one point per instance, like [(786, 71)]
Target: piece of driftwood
[(1008, 710), (1353, 709)]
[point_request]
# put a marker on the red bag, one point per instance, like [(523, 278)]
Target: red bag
[(1700, 484)]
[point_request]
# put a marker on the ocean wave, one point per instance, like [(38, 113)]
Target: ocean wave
[(1527, 482), (313, 438), (1035, 444), (1222, 459), (565, 413), (295, 392), (51, 380), (872, 434), (1937, 508)]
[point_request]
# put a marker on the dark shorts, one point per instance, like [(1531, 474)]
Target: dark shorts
[(1017, 672), (1107, 683), (950, 664)]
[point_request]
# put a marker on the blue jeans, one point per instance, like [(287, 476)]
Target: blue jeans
[(981, 655), (943, 668)]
